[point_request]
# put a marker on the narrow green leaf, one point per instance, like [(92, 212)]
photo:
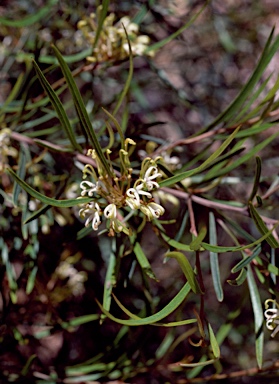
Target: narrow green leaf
[(247, 260), (170, 324), (12, 95), (199, 364), (214, 262), (31, 280), (58, 106), (256, 179), (196, 243), (143, 261), (165, 345), (175, 244), (240, 231), (213, 342), (255, 129), (44, 59), (163, 42), (81, 110), (83, 232), (243, 159), (240, 278), (220, 249), (20, 172), (241, 117), (101, 18), (80, 320), (262, 227), (119, 129), (30, 19), (258, 316), (28, 364), (186, 269), (129, 78), (45, 199), (247, 89), (169, 308), (175, 179), (110, 281)]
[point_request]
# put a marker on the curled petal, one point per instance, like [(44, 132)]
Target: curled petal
[(141, 192), (148, 174), (110, 211), (147, 212), (156, 209), (270, 324), (271, 313), (92, 210), (88, 188), (151, 174), (133, 199), (152, 210), (96, 221)]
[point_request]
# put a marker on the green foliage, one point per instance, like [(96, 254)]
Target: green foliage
[(73, 163)]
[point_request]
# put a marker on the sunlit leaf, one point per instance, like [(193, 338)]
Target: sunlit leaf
[(176, 244), (186, 269), (169, 308), (170, 324), (196, 243), (213, 342)]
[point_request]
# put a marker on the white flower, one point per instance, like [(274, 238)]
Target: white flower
[(88, 188), (93, 210), (148, 180), (272, 318), (152, 210), (110, 211), (116, 225), (133, 199), (156, 209)]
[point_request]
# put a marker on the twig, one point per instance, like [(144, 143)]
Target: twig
[(212, 204)]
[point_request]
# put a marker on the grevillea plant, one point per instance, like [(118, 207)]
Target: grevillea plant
[(118, 196)]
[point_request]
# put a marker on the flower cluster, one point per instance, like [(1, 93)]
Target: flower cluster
[(110, 194), (112, 43), (272, 316)]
